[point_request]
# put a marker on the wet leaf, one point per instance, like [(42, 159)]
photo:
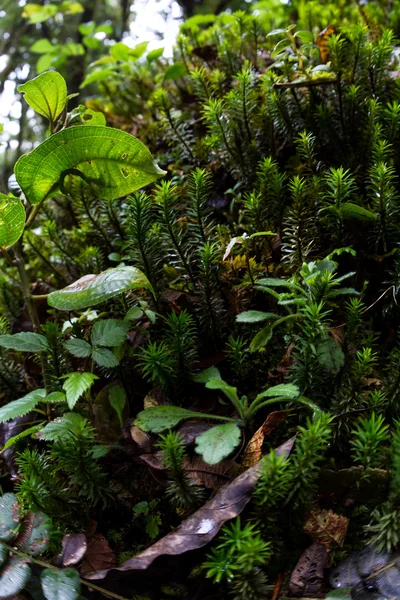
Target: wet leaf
[(60, 584), (74, 546), (9, 516), (203, 525), (35, 535), (98, 555), (326, 527), (308, 575), (14, 576)]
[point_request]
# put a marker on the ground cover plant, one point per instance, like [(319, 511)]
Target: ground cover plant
[(199, 288)]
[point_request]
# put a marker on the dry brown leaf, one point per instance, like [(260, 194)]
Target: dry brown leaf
[(252, 453), (203, 525), (141, 438), (327, 527), (74, 546), (308, 575), (211, 476), (154, 461), (98, 555)]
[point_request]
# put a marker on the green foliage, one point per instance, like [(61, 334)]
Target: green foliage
[(47, 94)]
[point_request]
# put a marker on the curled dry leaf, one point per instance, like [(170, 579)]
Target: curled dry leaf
[(326, 527), (203, 525), (74, 546), (154, 461), (98, 555), (252, 453), (308, 574), (211, 476), (141, 438)]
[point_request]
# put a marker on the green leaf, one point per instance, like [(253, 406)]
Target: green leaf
[(275, 282), (94, 117), (134, 313), (120, 51), (60, 584), (155, 54), (76, 384), (98, 75), (90, 290), (12, 220), (19, 408), (262, 338), (284, 390), (36, 13), (61, 428), (78, 348), (348, 210), (216, 383), (114, 162), (306, 36), (46, 94), (117, 399), (3, 553), (105, 358), (10, 514), (55, 398), (25, 341), (45, 61), (174, 71), (255, 316), (42, 46), (110, 332), (14, 576), (36, 535), (30, 431), (159, 418), (339, 594), (330, 355), (207, 374), (73, 49), (138, 51), (217, 443), (71, 8)]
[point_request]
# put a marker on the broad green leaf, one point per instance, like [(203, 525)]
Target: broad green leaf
[(46, 94), (73, 49), (306, 36), (42, 46), (90, 290), (216, 383), (176, 70), (60, 584), (3, 553), (120, 51), (330, 355), (348, 210), (110, 332), (207, 374), (78, 348), (55, 398), (71, 8), (134, 313), (94, 117), (275, 282), (114, 162), (25, 341), (37, 13), (14, 576), (117, 399), (217, 443), (45, 62), (255, 316), (105, 358), (26, 433), (10, 515), (284, 390), (63, 427), (159, 418), (155, 54), (19, 408), (36, 533), (262, 338), (98, 75), (138, 51), (76, 384), (12, 220)]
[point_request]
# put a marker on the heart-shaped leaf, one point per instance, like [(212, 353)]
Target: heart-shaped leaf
[(46, 94), (90, 290), (14, 577), (218, 442), (12, 220), (114, 162), (9, 516), (60, 584)]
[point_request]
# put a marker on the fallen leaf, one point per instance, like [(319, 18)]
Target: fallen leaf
[(252, 453), (154, 461), (327, 527), (203, 525), (98, 555), (211, 476), (74, 546), (308, 575), (141, 438)]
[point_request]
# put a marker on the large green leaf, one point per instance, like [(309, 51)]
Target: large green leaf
[(14, 576), (284, 390), (36, 535), (9, 516), (218, 442), (105, 358), (159, 418), (110, 332), (348, 210), (22, 406), (46, 94), (255, 316), (76, 384), (25, 341), (78, 348), (90, 290), (330, 355), (60, 584), (12, 220), (114, 162)]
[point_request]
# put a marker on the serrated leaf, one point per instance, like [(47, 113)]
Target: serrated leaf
[(12, 220), (105, 358), (25, 341), (78, 348), (30, 431), (254, 316), (110, 332), (14, 576), (10, 514), (46, 94), (35, 535), (330, 355), (218, 442), (61, 428), (55, 398), (117, 399), (90, 290), (160, 418), (22, 406), (76, 384), (60, 584), (112, 161)]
